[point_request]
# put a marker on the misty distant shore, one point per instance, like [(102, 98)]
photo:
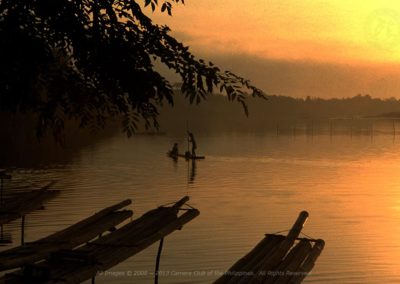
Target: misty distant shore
[(360, 114), (216, 113)]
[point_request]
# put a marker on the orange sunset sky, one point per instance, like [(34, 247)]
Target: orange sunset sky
[(297, 48)]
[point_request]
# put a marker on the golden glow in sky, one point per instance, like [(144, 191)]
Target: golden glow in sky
[(296, 48), (344, 32)]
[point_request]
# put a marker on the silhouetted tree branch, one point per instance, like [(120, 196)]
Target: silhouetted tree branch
[(94, 60)]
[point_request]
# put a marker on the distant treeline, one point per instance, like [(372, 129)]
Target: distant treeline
[(218, 114), (20, 146)]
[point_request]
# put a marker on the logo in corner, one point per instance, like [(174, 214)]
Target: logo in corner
[(382, 28)]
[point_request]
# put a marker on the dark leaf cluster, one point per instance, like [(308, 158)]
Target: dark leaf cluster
[(92, 60)]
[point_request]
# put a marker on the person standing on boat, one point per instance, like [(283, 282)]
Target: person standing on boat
[(174, 152), (193, 142)]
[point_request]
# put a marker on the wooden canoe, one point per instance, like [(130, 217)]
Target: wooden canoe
[(185, 156)]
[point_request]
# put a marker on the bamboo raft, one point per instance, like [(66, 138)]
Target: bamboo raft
[(26, 202), (83, 263), (68, 238), (277, 259)]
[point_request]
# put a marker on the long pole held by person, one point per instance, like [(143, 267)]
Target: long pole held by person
[(187, 133)]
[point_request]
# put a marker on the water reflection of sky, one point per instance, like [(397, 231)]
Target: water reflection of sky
[(248, 185)]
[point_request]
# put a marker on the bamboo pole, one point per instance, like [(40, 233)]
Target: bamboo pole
[(291, 263), (309, 263), (114, 254), (90, 220), (180, 203), (272, 261), (253, 267), (23, 230), (35, 251), (258, 270), (241, 263), (394, 129), (156, 271), (68, 238), (268, 260), (1, 193)]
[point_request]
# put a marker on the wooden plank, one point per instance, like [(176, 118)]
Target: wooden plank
[(68, 238)]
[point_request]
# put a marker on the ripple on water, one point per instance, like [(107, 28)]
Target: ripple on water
[(351, 189)]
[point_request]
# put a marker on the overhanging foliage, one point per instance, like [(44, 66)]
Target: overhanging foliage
[(94, 60)]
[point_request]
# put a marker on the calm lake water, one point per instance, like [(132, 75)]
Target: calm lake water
[(248, 185)]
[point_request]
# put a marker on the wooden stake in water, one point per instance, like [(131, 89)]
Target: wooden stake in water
[(158, 261), (351, 128), (372, 130), (394, 129), (187, 134), (23, 230), (312, 128), (1, 193)]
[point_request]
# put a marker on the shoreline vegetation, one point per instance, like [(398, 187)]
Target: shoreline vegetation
[(278, 112), (361, 114)]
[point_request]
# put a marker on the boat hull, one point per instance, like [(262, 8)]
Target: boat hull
[(187, 157)]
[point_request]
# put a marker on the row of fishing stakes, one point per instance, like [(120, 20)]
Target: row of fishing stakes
[(311, 130)]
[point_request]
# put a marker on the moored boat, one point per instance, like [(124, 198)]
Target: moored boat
[(187, 156)]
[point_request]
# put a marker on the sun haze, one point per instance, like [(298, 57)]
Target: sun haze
[(357, 38)]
